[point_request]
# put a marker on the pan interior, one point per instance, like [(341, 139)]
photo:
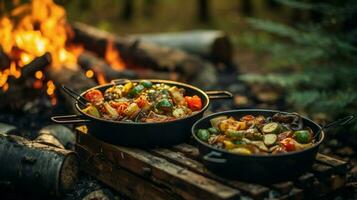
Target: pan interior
[(189, 91), (237, 114)]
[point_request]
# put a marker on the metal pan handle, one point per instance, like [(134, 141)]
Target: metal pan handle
[(69, 119), (215, 157), (219, 94), (120, 81), (339, 122)]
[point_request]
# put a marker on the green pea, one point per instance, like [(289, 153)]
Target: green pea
[(146, 83), (213, 130), (203, 134), (302, 136)]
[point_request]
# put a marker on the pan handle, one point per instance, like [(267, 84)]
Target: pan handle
[(215, 157), (120, 81), (219, 94), (69, 119), (339, 122)]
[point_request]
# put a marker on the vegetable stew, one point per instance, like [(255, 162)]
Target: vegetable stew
[(142, 102), (258, 134)]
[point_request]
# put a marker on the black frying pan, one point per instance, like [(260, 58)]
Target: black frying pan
[(139, 134), (260, 168)]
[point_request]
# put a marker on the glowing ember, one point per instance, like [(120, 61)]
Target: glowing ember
[(89, 73)]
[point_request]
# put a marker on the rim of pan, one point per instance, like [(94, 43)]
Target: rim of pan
[(153, 81), (255, 155)]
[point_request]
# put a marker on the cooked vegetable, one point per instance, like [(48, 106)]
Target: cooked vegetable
[(141, 102), (270, 139), (241, 150), (213, 130), (146, 84), (303, 136), (164, 105), (136, 91), (92, 110), (194, 102), (94, 96), (273, 128), (257, 135), (203, 134), (215, 121)]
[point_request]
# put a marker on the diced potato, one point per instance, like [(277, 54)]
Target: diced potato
[(177, 96), (260, 145), (110, 110), (228, 144), (131, 109), (92, 110), (178, 113), (217, 120), (127, 87), (241, 150)]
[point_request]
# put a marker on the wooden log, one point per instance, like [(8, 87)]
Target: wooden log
[(136, 53), (338, 165), (212, 44), (36, 167), (73, 78), (88, 188), (4, 60), (187, 184), (63, 134), (89, 61), (8, 129)]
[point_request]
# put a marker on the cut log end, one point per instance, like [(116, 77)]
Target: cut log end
[(68, 174)]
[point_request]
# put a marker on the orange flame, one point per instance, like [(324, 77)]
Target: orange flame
[(112, 56), (30, 30)]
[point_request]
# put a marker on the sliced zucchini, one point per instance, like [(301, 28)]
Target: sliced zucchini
[(203, 134), (271, 128), (270, 139)]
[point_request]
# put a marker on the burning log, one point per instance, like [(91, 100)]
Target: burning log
[(214, 45), (4, 60), (75, 79), (136, 53), (15, 95), (89, 61), (37, 167)]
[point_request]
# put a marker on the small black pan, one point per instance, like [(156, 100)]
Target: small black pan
[(260, 168), (139, 134)]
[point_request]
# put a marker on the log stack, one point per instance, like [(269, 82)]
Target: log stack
[(211, 44), (136, 53), (37, 166)]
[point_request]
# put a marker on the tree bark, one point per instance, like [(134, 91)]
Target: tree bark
[(63, 134), (211, 44), (36, 167)]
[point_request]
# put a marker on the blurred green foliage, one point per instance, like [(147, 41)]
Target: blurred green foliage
[(315, 60)]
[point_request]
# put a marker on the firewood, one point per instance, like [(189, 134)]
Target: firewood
[(211, 44), (36, 167), (63, 134), (89, 189), (4, 60), (89, 61), (137, 53), (8, 129), (73, 78)]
